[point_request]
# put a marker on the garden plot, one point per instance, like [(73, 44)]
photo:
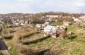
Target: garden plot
[(35, 38)]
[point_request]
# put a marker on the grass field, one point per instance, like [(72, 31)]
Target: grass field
[(73, 45)]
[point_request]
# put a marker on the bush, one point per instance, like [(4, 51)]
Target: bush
[(71, 37)]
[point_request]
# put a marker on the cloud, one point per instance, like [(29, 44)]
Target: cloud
[(55, 5), (13, 7), (23, 0), (32, 6), (80, 3)]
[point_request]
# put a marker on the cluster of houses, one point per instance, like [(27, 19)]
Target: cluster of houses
[(19, 22), (80, 21), (15, 19), (23, 19)]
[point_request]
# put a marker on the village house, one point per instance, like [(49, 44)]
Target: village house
[(66, 23), (15, 23), (52, 16), (1, 21), (23, 22), (82, 18), (76, 19)]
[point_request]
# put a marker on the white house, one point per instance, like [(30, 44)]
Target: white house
[(52, 16), (76, 19)]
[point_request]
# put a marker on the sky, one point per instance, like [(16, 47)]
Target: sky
[(36, 6)]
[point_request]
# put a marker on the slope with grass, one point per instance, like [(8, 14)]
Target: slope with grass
[(73, 45)]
